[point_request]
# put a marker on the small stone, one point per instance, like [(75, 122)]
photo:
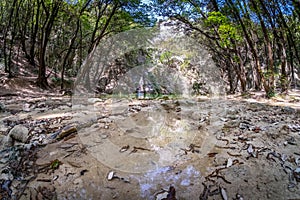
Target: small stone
[(103, 136), (229, 162), (55, 178), (26, 107), (162, 196), (224, 194), (223, 119), (2, 107), (110, 175), (244, 126), (233, 117), (94, 100), (239, 197)]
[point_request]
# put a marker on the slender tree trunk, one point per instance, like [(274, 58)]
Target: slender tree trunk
[(102, 8), (270, 72), (292, 71), (231, 75), (23, 24), (7, 57), (35, 28), (104, 28), (72, 44), (284, 76), (242, 73), (47, 28), (254, 52)]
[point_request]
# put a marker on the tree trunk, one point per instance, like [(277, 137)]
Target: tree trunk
[(104, 28), (72, 44), (284, 77), (47, 28), (231, 76), (7, 57), (252, 48), (34, 32), (270, 71)]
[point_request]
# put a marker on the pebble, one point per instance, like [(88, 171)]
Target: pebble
[(26, 107), (162, 196), (110, 175), (297, 174), (94, 100), (103, 136), (2, 107)]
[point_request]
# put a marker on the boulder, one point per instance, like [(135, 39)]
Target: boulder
[(19, 133)]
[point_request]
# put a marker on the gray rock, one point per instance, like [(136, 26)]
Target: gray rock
[(2, 107), (233, 117), (288, 110), (26, 107), (104, 136), (19, 133), (63, 107), (3, 127), (94, 100), (6, 142)]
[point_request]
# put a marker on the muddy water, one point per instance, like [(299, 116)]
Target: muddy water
[(158, 136)]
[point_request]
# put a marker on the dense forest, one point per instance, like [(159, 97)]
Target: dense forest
[(255, 43)]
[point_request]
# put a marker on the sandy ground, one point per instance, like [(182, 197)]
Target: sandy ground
[(227, 148)]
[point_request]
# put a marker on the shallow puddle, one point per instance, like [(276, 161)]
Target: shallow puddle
[(156, 143)]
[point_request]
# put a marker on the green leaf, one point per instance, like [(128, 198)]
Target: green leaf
[(55, 164)]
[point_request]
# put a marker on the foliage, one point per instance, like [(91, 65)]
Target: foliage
[(60, 34), (251, 41), (55, 164), (165, 57), (226, 30)]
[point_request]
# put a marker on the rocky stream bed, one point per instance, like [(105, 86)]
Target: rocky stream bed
[(201, 148)]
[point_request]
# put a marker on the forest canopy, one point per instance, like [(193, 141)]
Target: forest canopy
[(254, 43)]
